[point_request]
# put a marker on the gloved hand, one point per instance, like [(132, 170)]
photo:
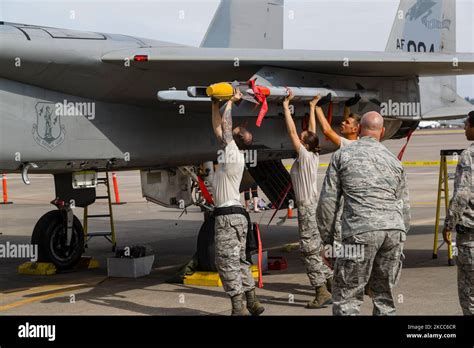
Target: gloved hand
[(325, 100), (353, 101)]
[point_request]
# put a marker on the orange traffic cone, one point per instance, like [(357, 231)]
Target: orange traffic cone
[(290, 209), (5, 190), (116, 190)]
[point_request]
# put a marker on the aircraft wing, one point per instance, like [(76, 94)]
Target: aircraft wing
[(95, 66), (354, 63)]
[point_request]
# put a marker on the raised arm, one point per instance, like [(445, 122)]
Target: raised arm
[(223, 124), (312, 113), (326, 127), (227, 124), (217, 120), (290, 124)]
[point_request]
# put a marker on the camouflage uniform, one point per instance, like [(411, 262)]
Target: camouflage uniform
[(304, 175), (310, 245), (375, 220), (376, 256), (337, 225), (461, 212), (231, 230), (233, 267)]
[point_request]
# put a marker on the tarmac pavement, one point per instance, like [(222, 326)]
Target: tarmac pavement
[(427, 286)]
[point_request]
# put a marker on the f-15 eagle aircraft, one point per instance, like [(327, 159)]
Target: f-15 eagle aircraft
[(73, 101)]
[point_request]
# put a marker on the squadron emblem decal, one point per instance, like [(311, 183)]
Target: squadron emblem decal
[(426, 9), (48, 131), (421, 8)]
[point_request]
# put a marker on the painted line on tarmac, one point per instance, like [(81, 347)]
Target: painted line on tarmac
[(423, 203), (410, 173), (43, 288), (427, 163), (40, 298), (35, 290), (406, 164), (43, 293), (427, 221), (439, 132)]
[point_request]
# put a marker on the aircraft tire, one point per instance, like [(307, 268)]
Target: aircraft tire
[(49, 235)]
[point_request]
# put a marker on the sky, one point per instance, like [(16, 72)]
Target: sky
[(362, 25)]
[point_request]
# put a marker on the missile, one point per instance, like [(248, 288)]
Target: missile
[(308, 93), (179, 97), (224, 90)]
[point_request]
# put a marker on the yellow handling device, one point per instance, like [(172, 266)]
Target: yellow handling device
[(221, 91)]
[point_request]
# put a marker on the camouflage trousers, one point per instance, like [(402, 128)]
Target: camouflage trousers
[(337, 224), (370, 255), (311, 245), (465, 263), (232, 265)]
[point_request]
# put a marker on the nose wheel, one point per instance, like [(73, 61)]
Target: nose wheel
[(57, 243)]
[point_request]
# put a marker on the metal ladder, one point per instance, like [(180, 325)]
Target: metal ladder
[(109, 235), (443, 187)]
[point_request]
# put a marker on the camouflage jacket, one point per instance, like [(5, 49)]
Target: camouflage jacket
[(372, 182), (461, 206)]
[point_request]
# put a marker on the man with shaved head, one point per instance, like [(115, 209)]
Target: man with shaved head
[(375, 219)]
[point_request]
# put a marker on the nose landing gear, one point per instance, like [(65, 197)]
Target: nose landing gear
[(59, 236)]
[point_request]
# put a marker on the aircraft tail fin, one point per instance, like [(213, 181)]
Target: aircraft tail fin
[(430, 26), (424, 26), (246, 24)]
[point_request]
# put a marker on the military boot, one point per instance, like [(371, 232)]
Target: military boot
[(238, 308), (323, 298), (329, 284), (253, 304)]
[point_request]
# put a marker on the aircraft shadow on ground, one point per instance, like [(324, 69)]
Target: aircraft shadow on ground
[(108, 293)]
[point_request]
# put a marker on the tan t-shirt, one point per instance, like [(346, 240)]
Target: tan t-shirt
[(345, 142), (227, 178), (304, 175)]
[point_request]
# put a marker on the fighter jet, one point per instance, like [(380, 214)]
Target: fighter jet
[(75, 103)]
